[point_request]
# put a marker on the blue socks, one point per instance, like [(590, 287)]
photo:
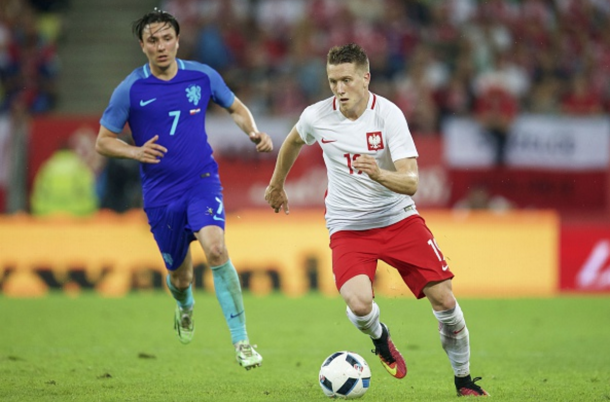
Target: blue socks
[(183, 297), (228, 293)]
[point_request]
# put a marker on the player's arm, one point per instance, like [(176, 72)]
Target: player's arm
[(244, 120), (110, 145), (274, 194), (403, 181)]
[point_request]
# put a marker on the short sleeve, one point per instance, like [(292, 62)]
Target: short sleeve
[(400, 140), (116, 114), (304, 127), (221, 93)]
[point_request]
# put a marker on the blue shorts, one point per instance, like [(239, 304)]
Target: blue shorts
[(174, 226)]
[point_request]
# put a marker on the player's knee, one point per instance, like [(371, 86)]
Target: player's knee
[(361, 310), (182, 280), (359, 306), (216, 254), (445, 302), (440, 296)]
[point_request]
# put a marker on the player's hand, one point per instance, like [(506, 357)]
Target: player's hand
[(368, 165), (150, 152), (263, 142), (277, 199)]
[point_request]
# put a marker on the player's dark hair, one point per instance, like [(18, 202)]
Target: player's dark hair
[(350, 53), (152, 17)]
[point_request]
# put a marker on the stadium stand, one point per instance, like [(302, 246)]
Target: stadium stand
[(435, 59)]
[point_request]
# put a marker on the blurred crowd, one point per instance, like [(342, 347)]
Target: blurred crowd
[(490, 60), (29, 66), (433, 58), (29, 34)]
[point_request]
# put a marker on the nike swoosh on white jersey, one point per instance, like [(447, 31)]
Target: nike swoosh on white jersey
[(144, 103)]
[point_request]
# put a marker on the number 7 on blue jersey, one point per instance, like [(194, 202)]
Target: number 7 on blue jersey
[(176, 115)]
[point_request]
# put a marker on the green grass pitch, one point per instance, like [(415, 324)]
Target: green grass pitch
[(90, 348)]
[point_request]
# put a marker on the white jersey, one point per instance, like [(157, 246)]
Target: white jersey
[(354, 201)]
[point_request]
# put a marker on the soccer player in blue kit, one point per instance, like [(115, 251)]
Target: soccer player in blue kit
[(165, 102)]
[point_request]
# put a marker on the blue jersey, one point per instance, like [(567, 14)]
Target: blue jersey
[(175, 110)]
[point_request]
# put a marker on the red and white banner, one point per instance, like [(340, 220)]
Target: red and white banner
[(564, 191), (585, 257), (556, 143)]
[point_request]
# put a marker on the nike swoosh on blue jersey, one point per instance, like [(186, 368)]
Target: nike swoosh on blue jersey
[(144, 103), (217, 218)]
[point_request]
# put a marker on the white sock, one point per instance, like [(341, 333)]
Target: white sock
[(368, 324), (454, 338)]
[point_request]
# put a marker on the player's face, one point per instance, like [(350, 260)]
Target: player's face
[(350, 85), (160, 45)]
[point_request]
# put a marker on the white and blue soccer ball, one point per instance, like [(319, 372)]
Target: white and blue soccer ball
[(345, 375)]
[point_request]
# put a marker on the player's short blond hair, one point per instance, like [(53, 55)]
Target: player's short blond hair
[(350, 53)]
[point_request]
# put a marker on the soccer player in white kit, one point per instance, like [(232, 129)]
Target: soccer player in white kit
[(371, 163)]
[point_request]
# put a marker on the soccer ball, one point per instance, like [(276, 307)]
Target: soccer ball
[(345, 375)]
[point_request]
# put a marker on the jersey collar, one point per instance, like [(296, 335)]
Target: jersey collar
[(372, 101), (148, 73), (371, 104)]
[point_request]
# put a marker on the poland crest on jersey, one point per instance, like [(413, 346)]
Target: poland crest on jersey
[(374, 140), (193, 93)]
